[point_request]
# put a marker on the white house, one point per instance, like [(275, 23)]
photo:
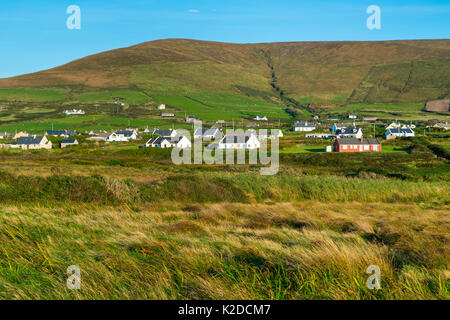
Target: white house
[(304, 126), (258, 118), (162, 107), (352, 116), (166, 142), (33, 142), (400, 132), (339, 126), (239, 141), (208, 134), (122, 136), (349, 133), (171, 133), (74, 112)]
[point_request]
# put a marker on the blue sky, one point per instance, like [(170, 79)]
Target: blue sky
[(34, 35)]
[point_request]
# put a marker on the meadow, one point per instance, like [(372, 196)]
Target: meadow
[(140, 227)]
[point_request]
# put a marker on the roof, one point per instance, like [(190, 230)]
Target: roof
[(60, 132), (126, 133), (30, 140), (304, 124), (347, 141), (348, 130), (68, 141), (207, 132), (163, 133), (400, 130), (235, 139)]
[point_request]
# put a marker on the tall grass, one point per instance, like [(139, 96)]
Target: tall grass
[(296, 250)]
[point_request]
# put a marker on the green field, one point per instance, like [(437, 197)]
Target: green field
[(32, 94), (140, 227)]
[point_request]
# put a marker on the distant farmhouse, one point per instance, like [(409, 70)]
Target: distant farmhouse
[(394, 125), (398, 133), (304, 126), (352, 116), (167, 115), (239, 141), (169, 142), (191, 119), (171, 133), (21, 135), (31, 143), (68, 142), (122, 136), (357, 145), (60, 133), (99, 137), (162, 107), (208, 134), (349, 133), (260, 118), (74, 112), (370, 118), (339, 126)]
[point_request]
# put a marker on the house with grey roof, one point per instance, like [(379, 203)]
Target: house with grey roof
[(33, 142), (304, 126)]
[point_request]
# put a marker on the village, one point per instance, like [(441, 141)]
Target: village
[(348, 133)]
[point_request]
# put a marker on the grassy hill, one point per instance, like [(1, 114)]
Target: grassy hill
[(229, 81)]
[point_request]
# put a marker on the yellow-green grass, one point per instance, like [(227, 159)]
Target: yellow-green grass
[(303, 149), (173, 250), (32, 94)]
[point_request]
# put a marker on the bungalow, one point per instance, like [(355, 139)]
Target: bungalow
[(21, 134), (259, 118), (74, 112), (96, 132), (34, 142), (60, 133), (68, 142), (191, 119), (370, 118), (209, 134), (99, 137), (352, 116), (339, 126), (349, 133), (162, 107), (304, 126), (239, 141), (393, 125), (399, 132), (357, 145), (165, 133), (166, 142), (122, 136), (442, 126)]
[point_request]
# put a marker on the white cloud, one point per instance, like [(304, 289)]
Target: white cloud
[(193, 11)]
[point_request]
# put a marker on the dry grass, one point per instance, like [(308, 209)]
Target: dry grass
[(288, 250)]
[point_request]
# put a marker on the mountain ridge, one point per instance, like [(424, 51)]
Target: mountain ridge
[(331, 71)]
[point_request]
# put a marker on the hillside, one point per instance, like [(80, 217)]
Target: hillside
[(321, 72)]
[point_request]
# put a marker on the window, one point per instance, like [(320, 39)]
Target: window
[(366, 147), (344, 147)]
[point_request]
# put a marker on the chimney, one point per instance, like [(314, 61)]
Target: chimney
[(362, 139)]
